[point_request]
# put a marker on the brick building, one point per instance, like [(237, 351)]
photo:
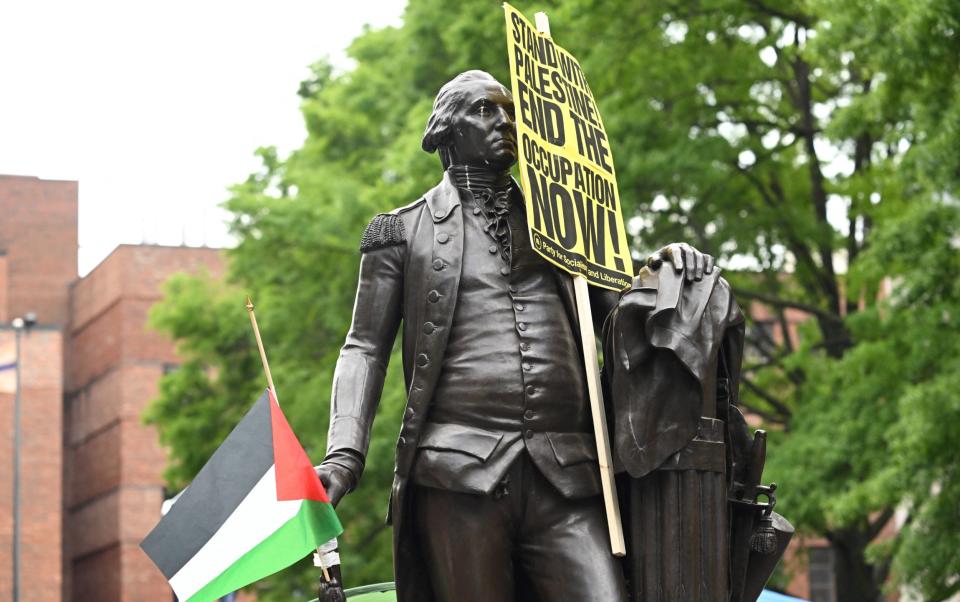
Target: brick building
[(90, 472)]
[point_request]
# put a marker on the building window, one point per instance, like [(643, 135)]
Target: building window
[(823, 575)]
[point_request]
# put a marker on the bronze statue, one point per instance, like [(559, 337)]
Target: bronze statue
[(496, 488)]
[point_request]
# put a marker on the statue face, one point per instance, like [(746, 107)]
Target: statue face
[(484, 133)]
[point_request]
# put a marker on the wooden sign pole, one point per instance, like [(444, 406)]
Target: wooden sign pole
[(592, 369)]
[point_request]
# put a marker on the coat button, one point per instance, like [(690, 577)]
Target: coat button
[(531, 390), (524, 346), (443, 237), (433, 296), (438, 214), (505, 271), (527, 367), (476, 211), (522, 326), (429, 327), (438, 264), (512, 289), (492, 249), (401, 442), (528, 415), (528, 434), (423, 360), (409, 413), (518, 306)]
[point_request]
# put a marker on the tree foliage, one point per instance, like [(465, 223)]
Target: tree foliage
[(810, 145)]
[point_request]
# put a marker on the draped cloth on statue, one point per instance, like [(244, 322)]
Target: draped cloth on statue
[(673, 352)]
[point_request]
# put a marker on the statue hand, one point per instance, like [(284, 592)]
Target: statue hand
[(683, 257), (337, 481)]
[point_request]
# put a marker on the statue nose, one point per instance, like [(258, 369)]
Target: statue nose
[(503, 118)]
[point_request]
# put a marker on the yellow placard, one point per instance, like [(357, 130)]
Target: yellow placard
[(565, 161)]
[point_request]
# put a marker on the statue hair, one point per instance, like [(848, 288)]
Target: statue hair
[(448, 101)]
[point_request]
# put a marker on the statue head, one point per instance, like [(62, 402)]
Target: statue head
[(472, 123)]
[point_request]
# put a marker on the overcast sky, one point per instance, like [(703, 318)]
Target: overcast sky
[(155, 108)]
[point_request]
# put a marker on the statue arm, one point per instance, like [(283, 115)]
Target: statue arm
[(362, 365)]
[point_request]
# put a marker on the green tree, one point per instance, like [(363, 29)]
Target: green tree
[(810, 145)]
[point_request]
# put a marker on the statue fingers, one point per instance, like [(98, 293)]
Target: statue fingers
[(698, 266), (334, 483), (689, 262), (674, 252)]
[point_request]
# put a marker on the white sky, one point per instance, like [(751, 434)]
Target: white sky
[(155, 108)]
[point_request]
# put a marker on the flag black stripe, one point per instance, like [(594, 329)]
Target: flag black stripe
[(233, 470)]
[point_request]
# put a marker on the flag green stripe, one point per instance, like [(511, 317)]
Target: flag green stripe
[(315, 523)]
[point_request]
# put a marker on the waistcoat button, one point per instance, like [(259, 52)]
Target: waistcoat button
[(429, 327), (423, 360), (438, 264), (433, 296), (443, 237)]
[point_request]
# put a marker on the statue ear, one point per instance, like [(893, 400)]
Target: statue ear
[(437, 132)]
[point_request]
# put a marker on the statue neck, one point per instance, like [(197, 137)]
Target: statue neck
[(476, 179)]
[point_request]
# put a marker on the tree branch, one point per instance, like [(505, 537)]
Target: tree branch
[(800, 19), (818, 192), (875, 527), (775, 200), (778, 405), (779, 302), (766, 416)]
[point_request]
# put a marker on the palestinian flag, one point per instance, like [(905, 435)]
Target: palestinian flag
[(255, 508)]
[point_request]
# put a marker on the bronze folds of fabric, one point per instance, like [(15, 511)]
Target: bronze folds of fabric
[(677, 533)]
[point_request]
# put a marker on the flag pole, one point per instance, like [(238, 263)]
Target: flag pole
[(592, 369), (263, 354), (266, 370)]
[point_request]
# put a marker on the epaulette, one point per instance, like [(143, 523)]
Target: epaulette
[(384, 230)]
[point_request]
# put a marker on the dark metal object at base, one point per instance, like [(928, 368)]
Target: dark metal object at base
[(760, 566), (331, 591)]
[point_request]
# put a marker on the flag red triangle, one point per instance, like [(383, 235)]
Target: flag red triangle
[(296, 479)]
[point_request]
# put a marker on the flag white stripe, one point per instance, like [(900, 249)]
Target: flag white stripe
[(257, 517)]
